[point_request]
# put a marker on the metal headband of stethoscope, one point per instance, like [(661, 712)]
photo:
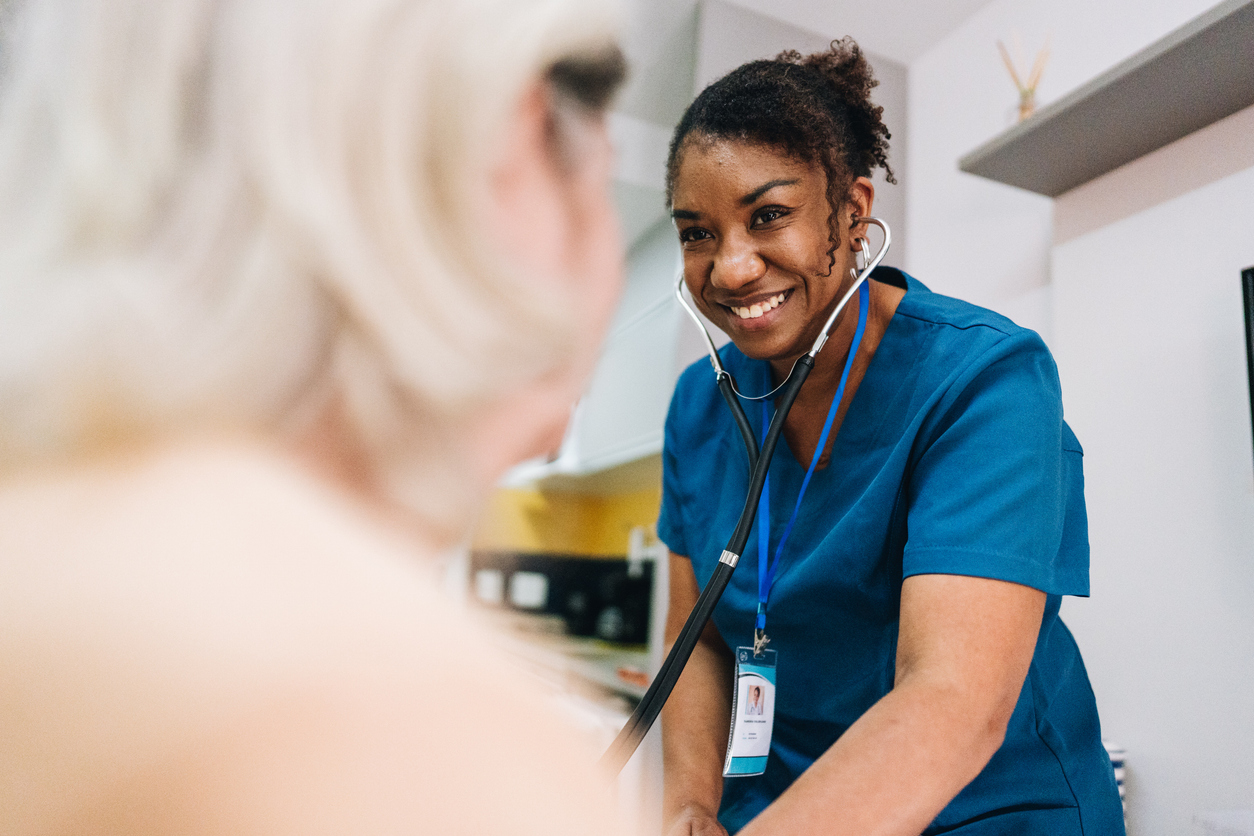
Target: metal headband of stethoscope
[(651, 703), (860, 277)]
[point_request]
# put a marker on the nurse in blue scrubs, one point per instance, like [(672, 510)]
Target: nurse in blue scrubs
[(924, 682)]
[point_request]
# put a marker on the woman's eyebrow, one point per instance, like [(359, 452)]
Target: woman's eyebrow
[(763, 189), (687, 215)]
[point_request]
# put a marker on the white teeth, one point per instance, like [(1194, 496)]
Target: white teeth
[(756, 310)]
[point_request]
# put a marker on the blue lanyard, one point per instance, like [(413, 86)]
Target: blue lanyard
[(767, 565)]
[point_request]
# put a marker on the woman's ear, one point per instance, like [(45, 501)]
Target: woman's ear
[(861, 199)]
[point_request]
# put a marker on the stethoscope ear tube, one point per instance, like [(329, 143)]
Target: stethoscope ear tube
[(642, 719), (728, 390), (864, 275)]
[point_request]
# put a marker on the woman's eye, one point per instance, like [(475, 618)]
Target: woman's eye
[(767, 215), (692, 234)]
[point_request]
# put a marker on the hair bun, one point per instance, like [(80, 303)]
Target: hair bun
[(848, 73)]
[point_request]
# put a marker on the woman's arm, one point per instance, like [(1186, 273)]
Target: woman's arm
[(695, 719), (963, 654)]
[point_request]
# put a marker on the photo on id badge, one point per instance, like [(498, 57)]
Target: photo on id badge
[(753, 714)]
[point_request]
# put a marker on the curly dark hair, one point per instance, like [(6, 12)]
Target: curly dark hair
[(815, 108)]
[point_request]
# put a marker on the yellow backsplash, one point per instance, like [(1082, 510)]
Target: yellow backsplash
[(559, 522)]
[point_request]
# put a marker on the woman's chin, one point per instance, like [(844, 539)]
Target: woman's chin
[(768, 347)]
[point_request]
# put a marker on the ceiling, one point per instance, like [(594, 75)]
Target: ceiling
[(898, 29), (660, 39)]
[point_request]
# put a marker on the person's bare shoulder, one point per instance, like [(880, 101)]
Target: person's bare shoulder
[(211, 641)]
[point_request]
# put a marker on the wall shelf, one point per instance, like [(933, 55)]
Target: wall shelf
[(1194, 77)]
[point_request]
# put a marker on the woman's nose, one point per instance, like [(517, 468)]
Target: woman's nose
[(736, 264)]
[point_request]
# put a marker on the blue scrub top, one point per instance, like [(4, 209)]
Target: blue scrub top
[(953, 458)]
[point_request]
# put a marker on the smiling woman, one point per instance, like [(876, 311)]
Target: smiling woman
[(923, 681)]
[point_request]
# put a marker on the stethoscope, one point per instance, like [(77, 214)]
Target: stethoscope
[(650, 705)]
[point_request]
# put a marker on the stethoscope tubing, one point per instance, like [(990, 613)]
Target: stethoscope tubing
[(646, 713), (650, 705), (728, 391)]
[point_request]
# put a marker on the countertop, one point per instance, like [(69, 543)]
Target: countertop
[(574, 663)]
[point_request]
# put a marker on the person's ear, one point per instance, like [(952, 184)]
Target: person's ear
[(860, 201)]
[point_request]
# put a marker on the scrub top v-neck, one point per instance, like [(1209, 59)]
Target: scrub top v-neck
[(952, 458)]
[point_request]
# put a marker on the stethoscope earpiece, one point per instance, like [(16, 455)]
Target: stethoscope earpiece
[(866, 253)]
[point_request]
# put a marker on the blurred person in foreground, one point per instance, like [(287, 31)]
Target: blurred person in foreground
[(284, 288)]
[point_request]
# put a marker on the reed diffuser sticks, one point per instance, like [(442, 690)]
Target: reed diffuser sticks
[(1027, 90)]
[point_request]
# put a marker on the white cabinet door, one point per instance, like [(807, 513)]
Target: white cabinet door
[(622, 415)]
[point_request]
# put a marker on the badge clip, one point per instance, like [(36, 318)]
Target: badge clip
[(760, 640)]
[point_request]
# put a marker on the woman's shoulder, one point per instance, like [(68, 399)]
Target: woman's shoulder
[(925, 305), (952, 335), (213, 629), (203, 523)]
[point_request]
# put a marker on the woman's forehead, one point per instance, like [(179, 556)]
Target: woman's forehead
[(739, 168)]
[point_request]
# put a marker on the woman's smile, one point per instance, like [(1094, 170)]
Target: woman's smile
[(760, 310)]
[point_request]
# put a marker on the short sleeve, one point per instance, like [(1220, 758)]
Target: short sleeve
[(996, 489)]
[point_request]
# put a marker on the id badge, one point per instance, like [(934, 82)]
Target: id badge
[(753, 713)]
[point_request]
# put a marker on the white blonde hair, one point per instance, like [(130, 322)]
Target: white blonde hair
[(215, 212)]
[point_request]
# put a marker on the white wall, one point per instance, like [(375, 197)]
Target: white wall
[(1139, 299), (1149, 339)]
